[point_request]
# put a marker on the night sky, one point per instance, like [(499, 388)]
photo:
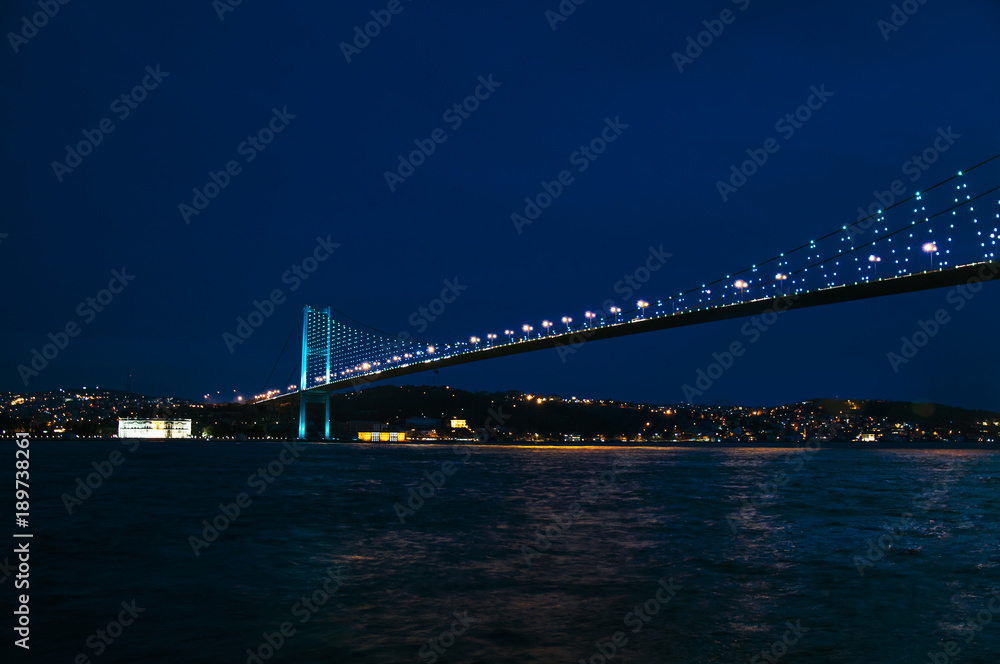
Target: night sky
[(210, 84)]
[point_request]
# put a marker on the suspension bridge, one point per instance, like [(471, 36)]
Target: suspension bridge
[(945, 235)]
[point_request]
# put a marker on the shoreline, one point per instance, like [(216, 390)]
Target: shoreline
[(688, 445)]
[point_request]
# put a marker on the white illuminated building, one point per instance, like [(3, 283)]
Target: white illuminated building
[(157, 427)]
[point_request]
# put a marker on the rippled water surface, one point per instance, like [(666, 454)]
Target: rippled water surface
[(543, 554)]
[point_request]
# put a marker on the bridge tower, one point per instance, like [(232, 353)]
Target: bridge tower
[(315, 360)]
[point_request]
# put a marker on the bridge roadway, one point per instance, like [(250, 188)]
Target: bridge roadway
[(984, 271)]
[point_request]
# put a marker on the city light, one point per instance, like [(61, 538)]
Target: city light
[(930, 248), (741, 286), (875, 260)]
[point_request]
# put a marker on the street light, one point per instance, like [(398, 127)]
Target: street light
[(875, 260), (566, 321), (642, 307), (617, 311), (526, 328), (547, 324), (492, 337), (780, 278), (430, 350), (475, 341), (590, 316), (510, 335), (741, 286), (930, 248)]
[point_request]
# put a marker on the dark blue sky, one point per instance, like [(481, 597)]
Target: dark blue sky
[(324, 176)]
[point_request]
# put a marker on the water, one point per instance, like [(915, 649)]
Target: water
[(625, 526)]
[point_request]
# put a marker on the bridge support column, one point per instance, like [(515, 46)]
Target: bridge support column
[(302, 415), (315, 365), (314, 397), (326, 402)]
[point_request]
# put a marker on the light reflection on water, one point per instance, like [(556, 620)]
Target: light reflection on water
[(613, 531)]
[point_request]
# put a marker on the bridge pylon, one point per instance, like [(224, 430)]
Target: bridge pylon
[(315, 358), (334, 351)]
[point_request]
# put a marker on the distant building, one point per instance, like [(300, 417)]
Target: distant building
[(459, 424), (381, 436), (155, 427)]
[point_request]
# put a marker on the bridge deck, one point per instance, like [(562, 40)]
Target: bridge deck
[(985, 271)]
